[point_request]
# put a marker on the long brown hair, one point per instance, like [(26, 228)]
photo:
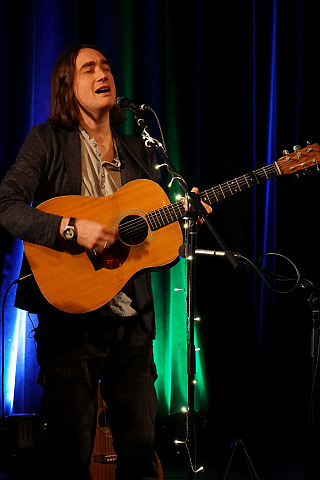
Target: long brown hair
[(64, 106)]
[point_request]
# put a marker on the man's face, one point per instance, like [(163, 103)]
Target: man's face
[(94, 85)]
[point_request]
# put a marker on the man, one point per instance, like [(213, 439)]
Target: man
[(77, 152)]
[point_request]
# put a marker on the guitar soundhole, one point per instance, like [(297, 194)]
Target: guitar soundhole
[(133, 230), (103, 419)]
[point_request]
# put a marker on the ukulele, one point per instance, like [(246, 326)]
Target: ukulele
[(103, 458), (76, 280)]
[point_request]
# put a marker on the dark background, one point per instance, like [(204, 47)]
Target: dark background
[(234, 84)]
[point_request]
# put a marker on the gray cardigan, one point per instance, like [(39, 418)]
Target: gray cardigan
[(49, 165)]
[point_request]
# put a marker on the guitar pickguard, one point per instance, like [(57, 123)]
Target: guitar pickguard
[(115, 256)]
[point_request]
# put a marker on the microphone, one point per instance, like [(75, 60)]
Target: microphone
[(198, 251), (124, 103), (216, 253)]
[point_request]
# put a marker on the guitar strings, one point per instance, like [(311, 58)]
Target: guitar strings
[(172, 212), (132, 228), (242, 181), (136, 226), (245, 181), (154, 219), (225, 189)]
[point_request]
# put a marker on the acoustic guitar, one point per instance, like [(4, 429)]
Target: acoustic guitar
[(76, 280), (103, 458)]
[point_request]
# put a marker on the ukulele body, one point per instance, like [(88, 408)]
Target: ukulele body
[(103, 458)]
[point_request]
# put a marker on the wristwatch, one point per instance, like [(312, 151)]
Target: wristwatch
[(69, 231)]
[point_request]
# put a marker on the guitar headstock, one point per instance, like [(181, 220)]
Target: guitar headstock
[(300, 159)]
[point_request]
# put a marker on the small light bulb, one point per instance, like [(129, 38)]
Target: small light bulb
[(199, 470)]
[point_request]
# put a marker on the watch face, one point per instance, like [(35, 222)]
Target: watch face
[(68, 233)]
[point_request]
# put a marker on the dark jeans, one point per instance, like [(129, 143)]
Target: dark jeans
[(74, 353)]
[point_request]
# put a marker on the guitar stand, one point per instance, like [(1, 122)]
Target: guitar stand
[(251, 470)]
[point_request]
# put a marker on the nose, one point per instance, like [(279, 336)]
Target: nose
[(102, 74)]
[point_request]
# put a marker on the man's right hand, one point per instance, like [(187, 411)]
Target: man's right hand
[(91, 235)]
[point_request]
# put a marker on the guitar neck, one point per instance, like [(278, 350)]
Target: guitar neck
[(175, 211), (216, 194)]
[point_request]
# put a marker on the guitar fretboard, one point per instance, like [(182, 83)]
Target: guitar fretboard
[(175, 211), (216, 194)]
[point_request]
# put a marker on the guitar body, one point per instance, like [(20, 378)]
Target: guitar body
[(69, 280)]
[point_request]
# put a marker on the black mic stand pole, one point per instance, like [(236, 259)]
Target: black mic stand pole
[(196, 210), (314, 304)]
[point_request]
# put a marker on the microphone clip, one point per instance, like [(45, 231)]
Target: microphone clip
[(149, 141)]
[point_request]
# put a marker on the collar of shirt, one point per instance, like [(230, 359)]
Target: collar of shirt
[(94, 146), (99, 178)]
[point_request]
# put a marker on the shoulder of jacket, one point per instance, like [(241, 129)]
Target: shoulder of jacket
[(48, 135), (47, 129)]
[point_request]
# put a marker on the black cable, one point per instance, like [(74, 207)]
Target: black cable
[(160, 129), (266, 273)]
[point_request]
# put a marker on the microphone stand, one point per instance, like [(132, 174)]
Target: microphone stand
[(196, 210), (314, 304)]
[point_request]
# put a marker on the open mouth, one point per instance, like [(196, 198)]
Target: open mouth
[(103, 89)]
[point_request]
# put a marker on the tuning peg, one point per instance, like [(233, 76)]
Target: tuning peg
[(285, 152), (308, 143), (296, 148)]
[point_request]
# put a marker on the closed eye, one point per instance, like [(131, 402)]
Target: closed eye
[(89, 67)]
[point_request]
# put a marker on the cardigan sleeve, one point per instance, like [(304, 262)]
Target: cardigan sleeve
[(20, 190)]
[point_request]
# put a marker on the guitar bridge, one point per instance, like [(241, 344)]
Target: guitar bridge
[(106, 459)]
